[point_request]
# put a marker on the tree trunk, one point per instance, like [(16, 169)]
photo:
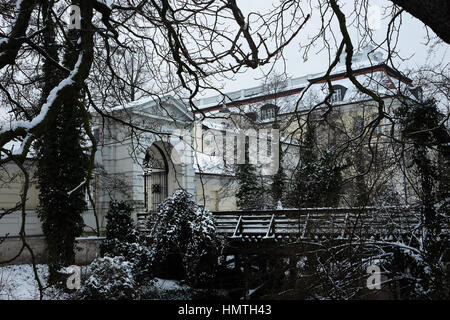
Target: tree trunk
[(435, 14)]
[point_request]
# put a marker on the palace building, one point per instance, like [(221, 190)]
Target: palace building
[(168, 146)]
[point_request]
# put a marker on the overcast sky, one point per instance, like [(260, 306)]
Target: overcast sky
[(411, 44)]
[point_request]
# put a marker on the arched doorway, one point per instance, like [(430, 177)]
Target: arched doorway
[(155, 178)]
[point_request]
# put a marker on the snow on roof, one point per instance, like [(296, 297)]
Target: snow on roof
[(139, 104), (377, 80), (243, 94), (368, 69)]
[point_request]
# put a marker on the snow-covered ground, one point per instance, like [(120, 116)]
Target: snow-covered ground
[(17, 282), (168, 290)]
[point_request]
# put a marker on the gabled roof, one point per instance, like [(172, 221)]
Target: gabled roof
[(139, 105)]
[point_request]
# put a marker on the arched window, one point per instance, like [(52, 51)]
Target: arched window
[(155, 178)]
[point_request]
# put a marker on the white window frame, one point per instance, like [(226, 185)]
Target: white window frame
[(336, 96), (268, 113)]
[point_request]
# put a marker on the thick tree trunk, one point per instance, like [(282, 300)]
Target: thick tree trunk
[(435, 14)]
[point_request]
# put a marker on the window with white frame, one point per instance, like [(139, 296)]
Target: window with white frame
[(336, 96), (268, 111), (338, 93)]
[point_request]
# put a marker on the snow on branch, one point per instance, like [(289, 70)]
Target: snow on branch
[(10, 45), (78, 187), (28, 125)]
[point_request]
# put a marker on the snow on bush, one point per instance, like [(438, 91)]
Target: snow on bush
[(119, 225), (137, 254), (183, 228), (111, 278), (122, 239)]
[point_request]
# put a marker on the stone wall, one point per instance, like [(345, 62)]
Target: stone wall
[(87, 250)]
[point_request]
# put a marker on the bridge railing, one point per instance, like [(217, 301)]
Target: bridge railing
[(315, 222), (310, 223)]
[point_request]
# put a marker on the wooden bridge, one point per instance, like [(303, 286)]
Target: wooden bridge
[(314, 223), (264, 248)]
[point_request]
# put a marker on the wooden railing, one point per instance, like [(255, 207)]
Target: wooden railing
[(315, 223)]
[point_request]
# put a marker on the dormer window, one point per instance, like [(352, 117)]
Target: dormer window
[(336, 96), (268, 111), (338, 93)]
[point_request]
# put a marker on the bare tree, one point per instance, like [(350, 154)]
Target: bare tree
[(184, 46)]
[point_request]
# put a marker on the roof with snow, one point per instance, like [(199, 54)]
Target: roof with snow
[(368, 69)]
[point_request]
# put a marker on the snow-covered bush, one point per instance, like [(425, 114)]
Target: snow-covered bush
[(183, 229), (136, 253), (119, 225), (122, 239), (111, 278)]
